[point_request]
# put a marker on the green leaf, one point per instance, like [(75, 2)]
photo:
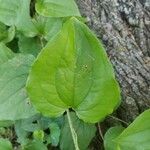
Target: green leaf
[(3, 31), (54, 133), (10, 35), (29, 45), (38, 135), (57, 8), (14, 103), (24, 127), (6, 123), (36, 122), (137, 135), (24, 22), (73, 71), (85, 133), (16, 12), (6, 34), (8, 11), (5, 144), (5, 53), (48, 27), (35, 145), (109, 137), (22, 135), (52, 27)]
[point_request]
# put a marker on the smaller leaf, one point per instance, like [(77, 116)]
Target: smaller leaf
[(35, 145), (13, 75), (5, 144), (57, 8), (5, 53), (21, 134), (135, 137), (10, 35), (85, 133), (24, 22), (17, 12), (36, 122), (54, 133), (29, 45), (38, 135), (109, 137), (8, 12), (52, 27), (6, 123), (48, 27), (6, 34), (30, 124), (2, 131), (3, 30)]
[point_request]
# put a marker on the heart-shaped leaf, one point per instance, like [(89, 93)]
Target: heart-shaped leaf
[(73, 71), (57, 8)]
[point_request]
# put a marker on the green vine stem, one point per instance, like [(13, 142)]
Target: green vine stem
[(73, 133), (115, 118), (100, 131)]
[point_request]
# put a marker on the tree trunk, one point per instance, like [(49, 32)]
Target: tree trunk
[(124, 28)]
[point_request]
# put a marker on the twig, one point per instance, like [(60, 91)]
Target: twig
[(119, 120), (100, 131)]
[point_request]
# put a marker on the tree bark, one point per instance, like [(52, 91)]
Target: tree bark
[(124, 28)]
